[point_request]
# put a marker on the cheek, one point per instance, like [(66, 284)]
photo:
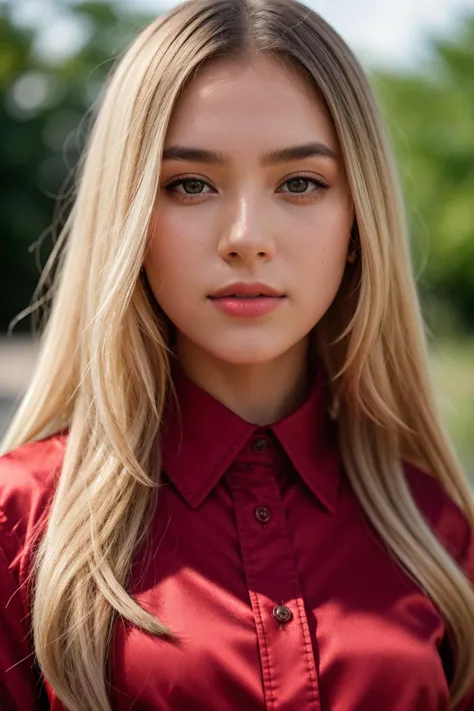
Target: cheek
[(321, 254), (173, 249)]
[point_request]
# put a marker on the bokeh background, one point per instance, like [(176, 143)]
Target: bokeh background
[(54, 57)]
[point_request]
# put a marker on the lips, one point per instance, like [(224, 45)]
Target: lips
[(246, 291), (246, 306), (243, 296)]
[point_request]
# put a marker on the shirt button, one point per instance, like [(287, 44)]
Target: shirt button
[(260, 445), (282, 613), (262, 514)]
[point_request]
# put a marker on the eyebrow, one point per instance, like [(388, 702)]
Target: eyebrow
[(281, 155)]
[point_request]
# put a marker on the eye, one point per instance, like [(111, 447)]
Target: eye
[(298, 186), (191, 186)]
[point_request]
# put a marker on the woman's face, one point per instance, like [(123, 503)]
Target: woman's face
[(249, 212)]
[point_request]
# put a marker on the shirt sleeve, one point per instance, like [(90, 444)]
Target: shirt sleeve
[(467, 563), (19, 681), (28, 476)]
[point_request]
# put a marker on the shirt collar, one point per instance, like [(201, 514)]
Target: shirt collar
[(201, 438)]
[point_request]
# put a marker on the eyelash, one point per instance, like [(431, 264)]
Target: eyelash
[(187, 197)]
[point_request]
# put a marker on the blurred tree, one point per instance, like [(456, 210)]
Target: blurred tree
[(45, 104), (431, 119)]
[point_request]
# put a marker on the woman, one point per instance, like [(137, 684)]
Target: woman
[(228, 486)]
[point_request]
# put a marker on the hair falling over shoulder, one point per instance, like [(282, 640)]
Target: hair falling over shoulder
[(103, 329)]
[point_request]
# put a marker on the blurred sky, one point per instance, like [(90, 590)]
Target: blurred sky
[(382, 33)]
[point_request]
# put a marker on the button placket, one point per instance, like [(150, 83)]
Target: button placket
[(272, 580)]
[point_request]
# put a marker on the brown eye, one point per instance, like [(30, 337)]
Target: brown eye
[(187, 186), (298, 185), (192, 186)]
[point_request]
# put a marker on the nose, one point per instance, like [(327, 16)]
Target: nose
[(246, 234)]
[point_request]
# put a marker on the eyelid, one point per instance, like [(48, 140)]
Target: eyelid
[(183, 178)]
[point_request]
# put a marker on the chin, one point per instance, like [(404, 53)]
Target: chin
[(248, 354)]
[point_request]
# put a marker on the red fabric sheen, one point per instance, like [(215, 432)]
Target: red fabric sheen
[(361, 635)]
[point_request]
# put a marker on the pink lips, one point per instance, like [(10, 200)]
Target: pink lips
[(247, 300), (257, 306)]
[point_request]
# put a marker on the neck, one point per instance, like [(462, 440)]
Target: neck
[(260, 393)]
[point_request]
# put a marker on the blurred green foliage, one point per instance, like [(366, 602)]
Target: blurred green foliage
[(430, 115), (452, 363), (45, 107)]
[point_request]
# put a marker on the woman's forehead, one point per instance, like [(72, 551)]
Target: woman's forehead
[(235, 103)]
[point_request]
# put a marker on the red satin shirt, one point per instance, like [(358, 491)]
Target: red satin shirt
[(262, 562)]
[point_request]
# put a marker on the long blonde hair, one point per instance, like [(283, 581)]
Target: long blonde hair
[(103, 369)]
